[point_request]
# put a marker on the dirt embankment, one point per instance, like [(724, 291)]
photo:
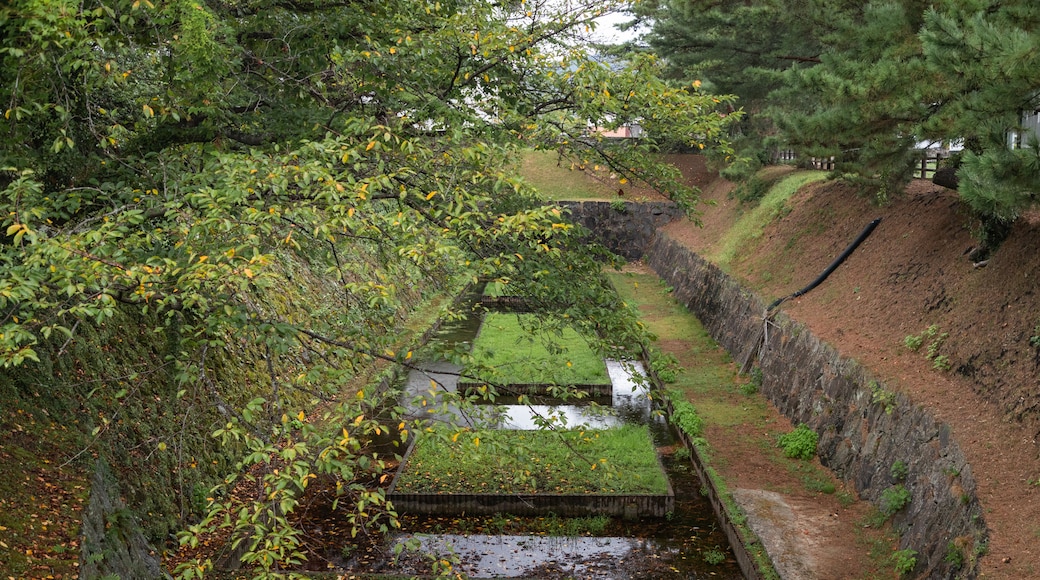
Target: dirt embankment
[(978, 364)]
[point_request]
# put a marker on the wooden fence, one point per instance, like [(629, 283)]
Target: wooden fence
[(924, 168)]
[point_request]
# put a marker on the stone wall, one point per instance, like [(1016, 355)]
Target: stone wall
[(113, 545), (864, 429), (625, 228)]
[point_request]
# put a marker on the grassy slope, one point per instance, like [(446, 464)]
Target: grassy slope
[(750, 225)]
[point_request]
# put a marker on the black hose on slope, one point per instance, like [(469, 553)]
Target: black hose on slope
[(834, 265)]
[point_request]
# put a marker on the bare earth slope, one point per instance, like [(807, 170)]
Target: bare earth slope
[(911, 274)]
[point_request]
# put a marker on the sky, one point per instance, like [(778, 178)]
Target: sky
[(606, 33)]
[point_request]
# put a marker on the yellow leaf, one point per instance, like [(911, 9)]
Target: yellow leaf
[(300, 416), (623, 181), (147, 110), (430, 195), (203, 259), (371, 144), (476, 441), (359, 418), (350, 212), (11, 229)]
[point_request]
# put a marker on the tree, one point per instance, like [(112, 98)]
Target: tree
[(176, 158), (865, 102), (879, 78), (987, 52), (736, 47)]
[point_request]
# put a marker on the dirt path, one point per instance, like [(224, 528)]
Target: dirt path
[(811, 526)]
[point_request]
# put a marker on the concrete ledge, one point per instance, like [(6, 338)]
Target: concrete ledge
[(628, 506), (625, 506)]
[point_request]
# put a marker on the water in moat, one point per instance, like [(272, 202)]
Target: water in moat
[(687, 544)]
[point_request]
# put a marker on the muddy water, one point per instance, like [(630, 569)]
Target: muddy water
[(684, 545)]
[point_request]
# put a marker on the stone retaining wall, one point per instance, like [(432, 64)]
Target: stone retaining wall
[(864, 428), (625, 228)]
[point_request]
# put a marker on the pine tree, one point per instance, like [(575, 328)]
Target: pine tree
[(734, 47), (988, 52), (864, 103)]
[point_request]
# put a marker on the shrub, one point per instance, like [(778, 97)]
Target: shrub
[(665, 365), (899, 471), (913, 342), (682, 454), (954, 555), (894, 499), (800, 443), (905, 561), (686, 418), (714, 556), (754, 384)]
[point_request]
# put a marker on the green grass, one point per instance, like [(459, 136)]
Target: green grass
[(507, 354), (612, 461), (752, 223), (555, 180)]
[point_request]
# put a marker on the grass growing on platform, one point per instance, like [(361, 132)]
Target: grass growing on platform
[(612, 461), (519, 358)]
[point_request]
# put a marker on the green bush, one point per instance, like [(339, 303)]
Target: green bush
[(905, 561), (800, 443), (714, 556), (954, 555), (686, 418), (894, 499), (665, 365), (754, 384), (913, 342), (899, 471)]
